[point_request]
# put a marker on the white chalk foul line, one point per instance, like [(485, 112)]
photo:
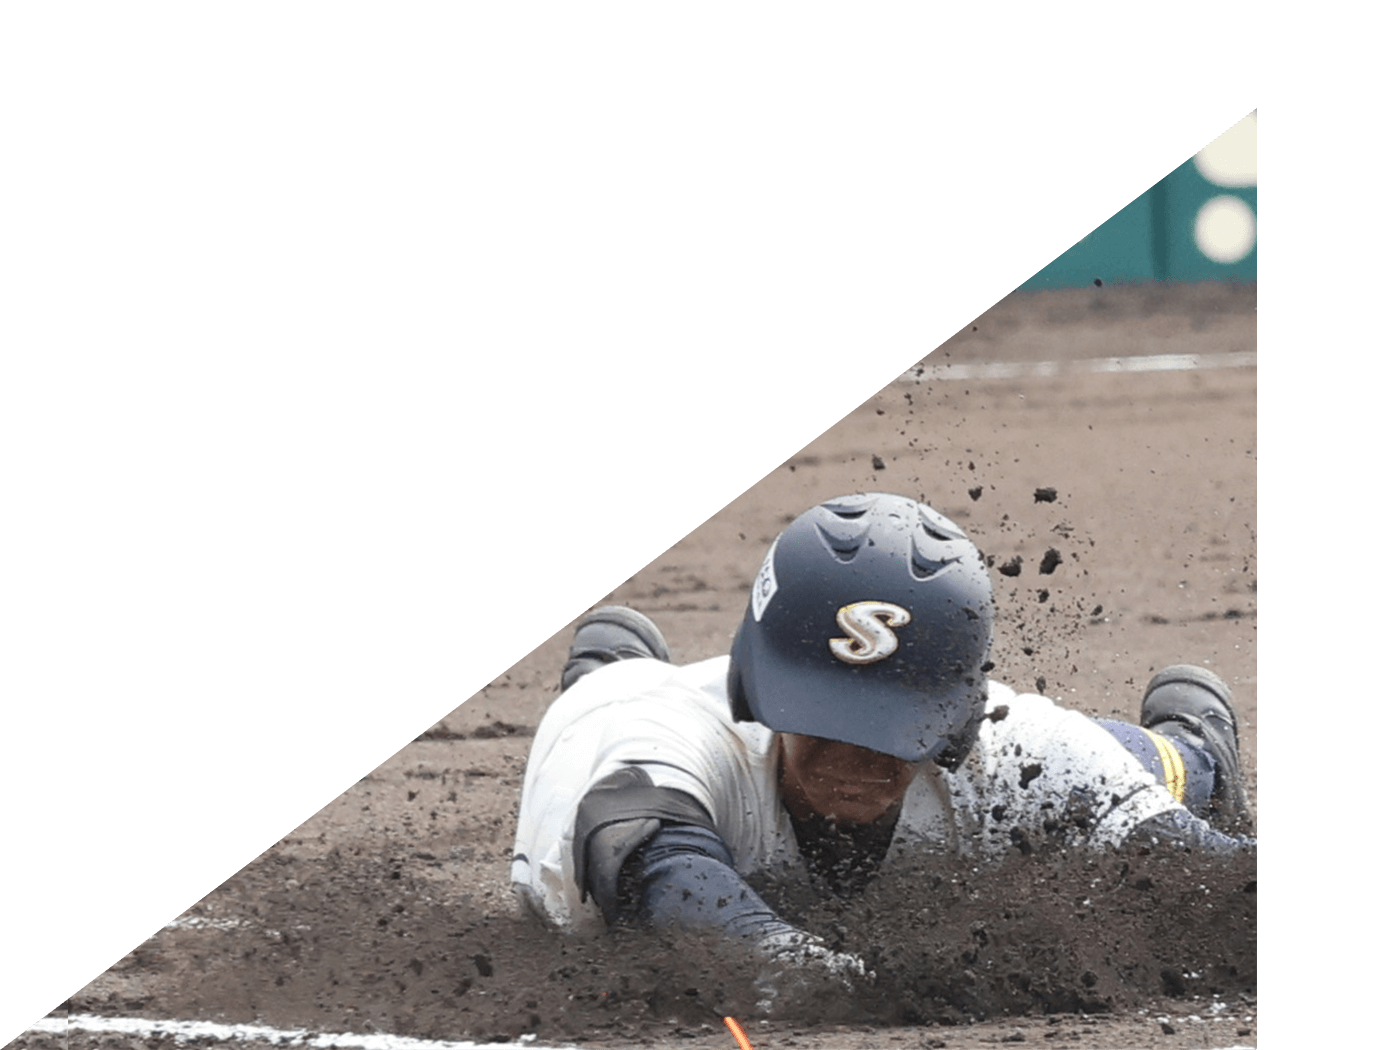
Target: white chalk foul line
[(1049, 369), (207, 1031), (184, 1031)]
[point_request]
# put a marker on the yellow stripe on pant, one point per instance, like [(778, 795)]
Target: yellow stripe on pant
[(1173, 769)]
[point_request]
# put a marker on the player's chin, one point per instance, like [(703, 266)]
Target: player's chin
[(855, 808)]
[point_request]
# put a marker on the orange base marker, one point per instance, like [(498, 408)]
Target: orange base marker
[(738, 1033)]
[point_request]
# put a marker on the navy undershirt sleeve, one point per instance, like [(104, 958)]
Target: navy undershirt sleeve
[(652, 855), (684, 876)]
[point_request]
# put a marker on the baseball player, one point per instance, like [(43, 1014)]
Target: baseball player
[(852, 723)]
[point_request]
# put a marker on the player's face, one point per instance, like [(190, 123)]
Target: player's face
[(843, 782)]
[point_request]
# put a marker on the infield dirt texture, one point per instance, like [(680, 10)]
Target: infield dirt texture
[(390, 912)]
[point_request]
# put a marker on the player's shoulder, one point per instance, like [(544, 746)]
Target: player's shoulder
[(1018, 716), (710, 676), (699, 687), (1022, 705)]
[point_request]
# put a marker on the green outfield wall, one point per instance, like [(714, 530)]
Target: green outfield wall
[(1197, 224)]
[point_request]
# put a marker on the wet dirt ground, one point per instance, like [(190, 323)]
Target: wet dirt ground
[(389, 910)]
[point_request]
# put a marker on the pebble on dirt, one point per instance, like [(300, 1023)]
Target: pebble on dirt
[(1050, 562), (1046, 495)]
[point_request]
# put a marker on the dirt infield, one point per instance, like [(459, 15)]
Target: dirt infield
[(389, 910)]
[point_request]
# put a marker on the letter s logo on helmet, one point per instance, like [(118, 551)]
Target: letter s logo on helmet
[(868, 626)]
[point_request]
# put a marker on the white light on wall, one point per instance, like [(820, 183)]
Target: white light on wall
[(1233, 158), (1225, 229)]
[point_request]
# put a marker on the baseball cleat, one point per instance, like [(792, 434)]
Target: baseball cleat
[(1193, 705), (609, 634)]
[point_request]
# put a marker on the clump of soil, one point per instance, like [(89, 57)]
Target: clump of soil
[(1010, 567)]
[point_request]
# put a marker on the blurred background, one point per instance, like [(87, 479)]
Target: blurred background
[(1197, 224)]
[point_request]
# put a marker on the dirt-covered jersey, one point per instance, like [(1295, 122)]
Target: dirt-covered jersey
[(1038, 774)]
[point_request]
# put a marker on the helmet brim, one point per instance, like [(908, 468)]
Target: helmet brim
[(914, 721)]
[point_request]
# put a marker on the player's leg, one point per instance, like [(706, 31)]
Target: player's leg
[(1191, 707), (1187, 772), (609, 634), (1188, 738)]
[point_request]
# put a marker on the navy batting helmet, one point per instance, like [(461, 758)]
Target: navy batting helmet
[(870, 623)]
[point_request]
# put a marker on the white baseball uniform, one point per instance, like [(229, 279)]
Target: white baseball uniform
[(1038, 774)]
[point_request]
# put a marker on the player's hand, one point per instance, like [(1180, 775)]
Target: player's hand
[(799, 975)]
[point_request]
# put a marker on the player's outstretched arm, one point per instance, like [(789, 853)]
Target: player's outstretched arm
[(651, 855), (683, 876)]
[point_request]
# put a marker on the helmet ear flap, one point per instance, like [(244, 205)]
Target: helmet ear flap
[(739, 708), (960, 746)]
